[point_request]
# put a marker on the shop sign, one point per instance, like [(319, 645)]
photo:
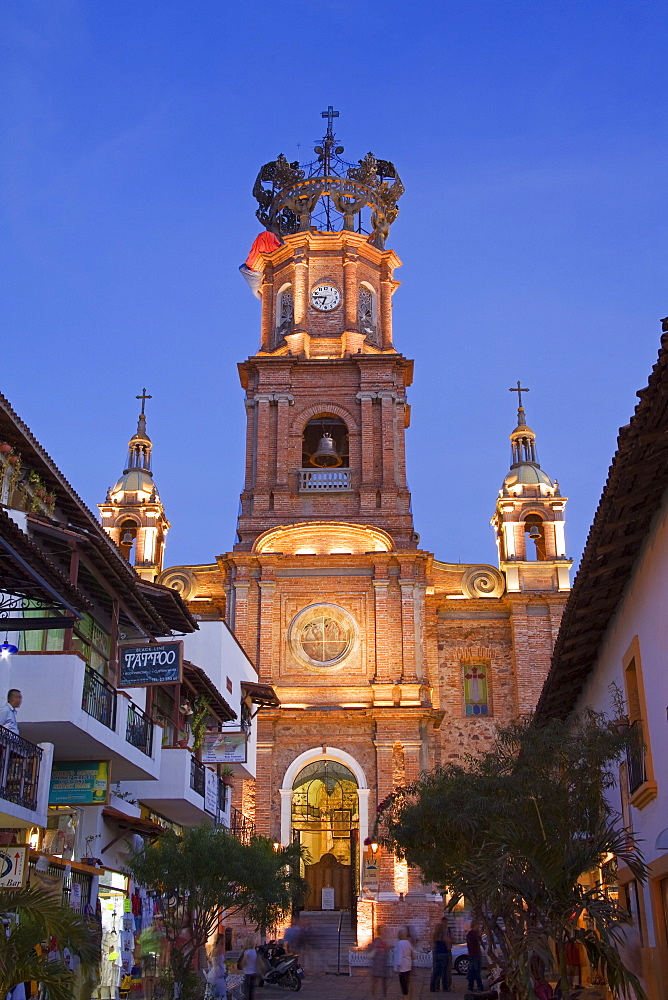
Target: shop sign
[(79, 782), (13, 867), (370, 880), (224, 748), (210, 791), (160, 663)]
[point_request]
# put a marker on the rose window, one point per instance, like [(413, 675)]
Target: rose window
[(322, 635)]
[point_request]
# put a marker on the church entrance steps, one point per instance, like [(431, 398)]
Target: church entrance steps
[(324, 935)]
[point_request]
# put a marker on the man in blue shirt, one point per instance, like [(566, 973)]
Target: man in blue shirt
[(8, 712)]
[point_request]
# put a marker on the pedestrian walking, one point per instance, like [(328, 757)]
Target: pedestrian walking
[(441, 959), (216, 974), (474, 948), (380, 963), (293, 937), (403, 962), (248, 965)]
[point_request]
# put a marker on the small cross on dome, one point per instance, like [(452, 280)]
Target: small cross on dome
[(144, 397), (330, 114), (519, 390)]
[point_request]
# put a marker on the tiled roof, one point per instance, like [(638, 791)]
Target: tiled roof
[(633, 493)]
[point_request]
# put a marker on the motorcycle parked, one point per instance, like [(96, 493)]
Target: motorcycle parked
[(284, 971)]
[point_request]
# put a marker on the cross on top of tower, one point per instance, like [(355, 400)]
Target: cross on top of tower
[(519, 390), (144, 397), (330, 114)]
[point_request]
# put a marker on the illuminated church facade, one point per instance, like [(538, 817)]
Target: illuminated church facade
[(386, 659)]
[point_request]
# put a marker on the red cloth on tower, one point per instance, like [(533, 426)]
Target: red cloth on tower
[(266, 242)]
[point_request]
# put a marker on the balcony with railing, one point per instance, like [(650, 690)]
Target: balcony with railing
[(324, 480), (99, 698), (241, 826), (197, 776), (19, 769), (69, 704), (179, 794), (139, 730)]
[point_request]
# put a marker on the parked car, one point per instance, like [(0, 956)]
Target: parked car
[(460, 959)]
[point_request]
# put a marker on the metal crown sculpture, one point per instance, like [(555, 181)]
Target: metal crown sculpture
[(329, 194)]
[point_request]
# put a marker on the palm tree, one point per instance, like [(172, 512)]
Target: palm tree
[(31, 917)]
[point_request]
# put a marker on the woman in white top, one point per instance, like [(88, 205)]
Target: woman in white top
[(216, 975), (403, 962), (248, 963)]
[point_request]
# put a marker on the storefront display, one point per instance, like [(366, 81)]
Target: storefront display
[(118, 934)]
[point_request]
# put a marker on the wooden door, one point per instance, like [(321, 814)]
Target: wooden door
[(323, 874)]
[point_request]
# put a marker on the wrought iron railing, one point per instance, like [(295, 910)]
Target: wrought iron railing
[(197, 778), (99, 698), (241, 826), (78, 899), (635, 758), (139, 730), (324, 480), (19, 769)]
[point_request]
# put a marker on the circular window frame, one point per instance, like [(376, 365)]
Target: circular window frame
[(310, 613)]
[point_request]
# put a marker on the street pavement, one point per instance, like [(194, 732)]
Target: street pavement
[(319, 986)]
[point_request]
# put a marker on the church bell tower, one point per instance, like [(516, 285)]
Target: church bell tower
[(133, 514), (529, 518), (326, 391)]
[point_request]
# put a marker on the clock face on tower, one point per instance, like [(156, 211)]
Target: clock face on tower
[(325, 297)]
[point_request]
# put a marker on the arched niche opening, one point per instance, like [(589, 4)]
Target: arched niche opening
[(325, 443), (534, 533), (284, 311), (367, 311), (127, 537)]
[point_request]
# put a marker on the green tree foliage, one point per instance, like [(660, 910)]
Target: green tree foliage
[(515, 832), (205, 871), (32, 917)]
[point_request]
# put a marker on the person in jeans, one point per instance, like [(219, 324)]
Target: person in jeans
[(403, 961), (248, 965), (473, 945), (439, 960)]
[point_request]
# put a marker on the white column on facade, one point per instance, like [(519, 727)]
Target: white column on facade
[(150, 535), (560, 538), (508, 528), (363, 795), (286, 815)]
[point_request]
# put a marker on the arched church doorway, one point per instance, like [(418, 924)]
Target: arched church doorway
[(325, 821)]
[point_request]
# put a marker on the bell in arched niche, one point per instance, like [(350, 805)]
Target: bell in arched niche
[(326, 455)]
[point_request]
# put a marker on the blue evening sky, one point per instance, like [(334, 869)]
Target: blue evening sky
[(532, 141)]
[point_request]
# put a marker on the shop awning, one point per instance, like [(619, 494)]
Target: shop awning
[(27, 574), (196, 678), (261, 694), (131, 824)]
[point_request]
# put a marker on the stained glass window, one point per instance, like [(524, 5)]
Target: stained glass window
[(476, 688)]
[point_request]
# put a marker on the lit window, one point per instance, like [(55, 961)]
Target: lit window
[(476, 689)]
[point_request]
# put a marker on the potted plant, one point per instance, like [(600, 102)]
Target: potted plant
[(198, 721), (89, 859), (621, 719), (227, 775)]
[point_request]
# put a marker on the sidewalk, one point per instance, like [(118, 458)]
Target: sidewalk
[(358, 987)]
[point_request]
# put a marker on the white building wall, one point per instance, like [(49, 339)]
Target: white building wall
[(216, 650), (643, 612)]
